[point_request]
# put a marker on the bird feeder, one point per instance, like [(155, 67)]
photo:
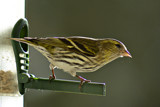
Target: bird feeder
[(27, 80)]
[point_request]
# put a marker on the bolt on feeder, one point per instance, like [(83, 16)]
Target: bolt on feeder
[(26, 80)]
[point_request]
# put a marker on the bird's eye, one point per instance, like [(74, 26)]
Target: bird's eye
[(118, 45)]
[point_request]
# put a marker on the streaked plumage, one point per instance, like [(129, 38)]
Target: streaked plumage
[(77, 54)]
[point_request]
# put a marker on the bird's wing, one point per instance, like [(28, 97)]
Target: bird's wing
[(87, 46), (81, 45)]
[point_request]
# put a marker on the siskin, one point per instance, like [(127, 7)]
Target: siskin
[(77, 54)]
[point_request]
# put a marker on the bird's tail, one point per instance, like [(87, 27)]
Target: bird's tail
[(27, 40)]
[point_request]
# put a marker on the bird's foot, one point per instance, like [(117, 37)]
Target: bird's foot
[(83, 80), (51, 77)]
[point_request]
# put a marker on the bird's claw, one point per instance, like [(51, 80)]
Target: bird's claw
[(52, 77), (83, 80)]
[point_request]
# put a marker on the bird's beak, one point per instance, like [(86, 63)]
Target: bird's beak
[(127, 54)]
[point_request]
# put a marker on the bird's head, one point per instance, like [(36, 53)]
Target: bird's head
[(114, 48)]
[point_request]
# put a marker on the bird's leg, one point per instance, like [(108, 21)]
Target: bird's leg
[(53, 75), (82, 80)]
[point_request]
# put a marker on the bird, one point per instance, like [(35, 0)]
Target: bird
[(77, 53)]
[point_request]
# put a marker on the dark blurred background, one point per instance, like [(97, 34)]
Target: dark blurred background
[(130, 82)]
